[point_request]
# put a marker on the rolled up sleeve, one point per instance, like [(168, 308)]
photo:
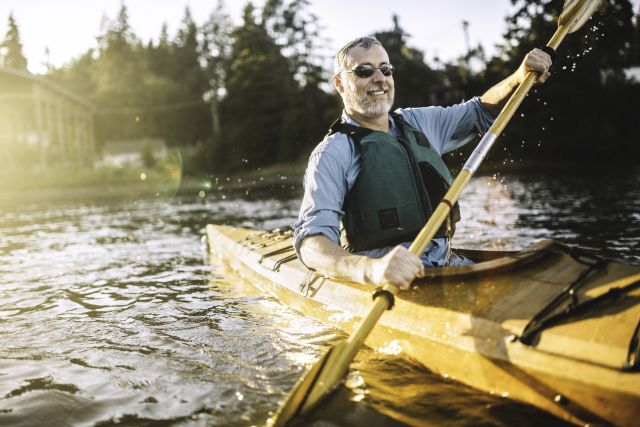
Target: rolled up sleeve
[(325, 186), (449, 128)]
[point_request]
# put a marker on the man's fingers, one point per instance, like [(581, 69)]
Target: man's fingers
[(543, 77), (538, 62), (400, 267)]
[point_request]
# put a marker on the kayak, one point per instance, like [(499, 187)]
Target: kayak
[(550, 325)]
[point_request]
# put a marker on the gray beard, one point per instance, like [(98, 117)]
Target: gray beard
[(369, 108)]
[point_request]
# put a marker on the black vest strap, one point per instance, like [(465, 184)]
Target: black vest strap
[(356, 132)]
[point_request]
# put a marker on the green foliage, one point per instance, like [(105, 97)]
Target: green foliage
[(260, 88), (583, 111), (416, 84), (11, 48), (255, 94)]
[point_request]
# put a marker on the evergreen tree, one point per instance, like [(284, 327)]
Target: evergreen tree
[(217, 43), (78, 75), (259, 88), (297, 32), (567, 118), (119, 75), (159, 56), (192, 123), (11, 48), (416, 84)]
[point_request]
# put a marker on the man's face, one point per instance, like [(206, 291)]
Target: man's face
[(369, 96)]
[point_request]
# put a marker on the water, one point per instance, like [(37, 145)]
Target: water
[(112, 314)]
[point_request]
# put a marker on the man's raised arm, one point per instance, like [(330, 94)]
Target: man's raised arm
[(495, 98)]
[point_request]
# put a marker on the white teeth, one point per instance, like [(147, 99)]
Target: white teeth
[(377, 92)]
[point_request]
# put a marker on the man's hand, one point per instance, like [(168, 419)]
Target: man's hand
[(537, 61), (399, 267)]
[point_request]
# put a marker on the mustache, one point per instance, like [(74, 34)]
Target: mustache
[(377, 86)]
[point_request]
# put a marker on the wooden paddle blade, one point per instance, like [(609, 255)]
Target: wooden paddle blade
[(577, 12), (317, 382)]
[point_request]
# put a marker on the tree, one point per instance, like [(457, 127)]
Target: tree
[(119, 75), (568, 114), (11, 48), (192, 124), (259, 88), (216, 52), (417, 85), (297, 32), (78, 75)]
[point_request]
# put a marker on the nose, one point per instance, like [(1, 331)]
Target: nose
[(378, 76)]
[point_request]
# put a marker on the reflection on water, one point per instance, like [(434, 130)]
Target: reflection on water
[(111, 313)]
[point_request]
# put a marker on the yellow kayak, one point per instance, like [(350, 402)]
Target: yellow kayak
[(549, 325)]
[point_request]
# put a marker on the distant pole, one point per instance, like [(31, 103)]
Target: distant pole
[(465, 28)]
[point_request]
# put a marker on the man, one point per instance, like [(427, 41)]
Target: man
[(381, 173)]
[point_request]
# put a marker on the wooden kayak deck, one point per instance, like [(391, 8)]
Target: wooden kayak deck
[(497, 325)]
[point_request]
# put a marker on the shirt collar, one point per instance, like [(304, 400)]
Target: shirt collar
[(393, 128)]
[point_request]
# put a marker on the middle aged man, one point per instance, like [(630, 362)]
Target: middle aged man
[(381, 173)]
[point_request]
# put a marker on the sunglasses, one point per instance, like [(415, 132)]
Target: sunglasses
[(366, 70)]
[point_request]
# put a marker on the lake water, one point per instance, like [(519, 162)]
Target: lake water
[(112, 314)]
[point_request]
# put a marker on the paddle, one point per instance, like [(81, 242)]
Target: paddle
[(323, 377)]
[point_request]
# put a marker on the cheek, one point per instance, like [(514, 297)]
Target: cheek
[(361, 86), (353, 87)]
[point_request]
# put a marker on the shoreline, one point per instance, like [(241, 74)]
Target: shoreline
[(139, 181)]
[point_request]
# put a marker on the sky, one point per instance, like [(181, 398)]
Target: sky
[(68, 28)]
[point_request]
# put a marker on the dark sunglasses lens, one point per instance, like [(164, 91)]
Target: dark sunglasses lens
[(386, 69), (363, 71)]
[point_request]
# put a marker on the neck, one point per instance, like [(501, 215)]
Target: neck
[(380, 123)]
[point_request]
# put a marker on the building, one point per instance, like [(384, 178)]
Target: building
[(43, 124)]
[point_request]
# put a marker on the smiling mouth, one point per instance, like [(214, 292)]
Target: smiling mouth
[(377, 92)]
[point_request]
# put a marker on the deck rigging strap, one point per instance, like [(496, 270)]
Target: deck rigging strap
[(265, 238), (280, 251), (545, 317), (576, 308), (633, 355), (278, 263)]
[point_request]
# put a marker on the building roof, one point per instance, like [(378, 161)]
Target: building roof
[(49, 85)]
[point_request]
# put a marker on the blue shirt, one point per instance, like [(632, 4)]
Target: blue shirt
[(335, 163)]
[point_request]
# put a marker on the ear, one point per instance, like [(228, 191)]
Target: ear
[(337, 82)]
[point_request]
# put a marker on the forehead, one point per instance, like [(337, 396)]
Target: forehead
[(375, 55)]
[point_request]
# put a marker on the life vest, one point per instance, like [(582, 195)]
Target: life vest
[(400, 183)]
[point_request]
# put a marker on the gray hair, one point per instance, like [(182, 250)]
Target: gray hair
[(340, 61)]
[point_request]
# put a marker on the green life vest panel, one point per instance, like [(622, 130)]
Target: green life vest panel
[(400, 183)]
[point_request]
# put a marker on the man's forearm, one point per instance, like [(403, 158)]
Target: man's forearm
[(329, 259), (494, 99)]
